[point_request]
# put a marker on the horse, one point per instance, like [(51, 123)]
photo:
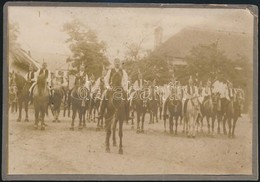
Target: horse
[(23, 87), (216, 109), (98, 90), (116, 113), (40, 101), (207, 111), (140, 105), (80, 97), (174, 108), (56, 100), (191, 114), (67, 102), (160, 104), (153, 104), (232, 113)]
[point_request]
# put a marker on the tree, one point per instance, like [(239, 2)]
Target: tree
[(209, 61), (13, 33), (86, 48)]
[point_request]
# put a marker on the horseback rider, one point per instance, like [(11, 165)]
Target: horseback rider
[(82, 74), (91, 83), (137, 86), (47, 75), (31, 78), (229, 92), (227, 95), (60, 81), (196, 80), (200, 92), (116, 78), (207, 91), (190, 92)]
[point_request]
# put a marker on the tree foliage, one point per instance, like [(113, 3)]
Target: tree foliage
[(86, 48), (13, 33), (211, 63)]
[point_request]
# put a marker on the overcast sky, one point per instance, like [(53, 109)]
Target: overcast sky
[(40, 27)]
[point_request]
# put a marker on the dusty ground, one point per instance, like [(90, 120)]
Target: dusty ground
[(57, 150)]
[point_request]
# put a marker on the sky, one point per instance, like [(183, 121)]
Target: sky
[(41, 27)]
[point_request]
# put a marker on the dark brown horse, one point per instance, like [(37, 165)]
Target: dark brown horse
[(40, 101), (116, 113), (233, 111), (140, 105), (22, 94), (80, 97), (153, 104), (55, 102), (174, 108)]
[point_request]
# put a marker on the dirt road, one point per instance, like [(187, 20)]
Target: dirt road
[(57, 150)]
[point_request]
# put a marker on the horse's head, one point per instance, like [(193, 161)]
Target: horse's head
[(78, 81), (196, 103), (41, 80)]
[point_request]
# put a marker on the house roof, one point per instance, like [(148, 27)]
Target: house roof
[(21, 60)]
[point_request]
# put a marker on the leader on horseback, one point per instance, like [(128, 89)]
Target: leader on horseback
[(116, 79)]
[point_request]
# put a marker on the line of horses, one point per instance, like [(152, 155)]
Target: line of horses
[(86, 104)]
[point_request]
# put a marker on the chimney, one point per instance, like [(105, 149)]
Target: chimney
[(158, 31)]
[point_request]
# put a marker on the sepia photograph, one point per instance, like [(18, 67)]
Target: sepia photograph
[(101, 89)]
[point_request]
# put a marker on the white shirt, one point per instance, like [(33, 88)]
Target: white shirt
[(34, 79), (81, 73), (206, 91), (124, 82)]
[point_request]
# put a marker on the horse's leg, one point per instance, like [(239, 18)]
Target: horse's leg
[(84, 118), (108, 128), (64, 106), (219, 119), (20, 111), (156, 115), (213, 117), (160, 115), (68, 108), (42, 113), (176, 124), (201, 124), (234, 126), (94, 115), (229, 126), (132, 119), (171, 124), (80, 118), (36, 113), (58, 114), (224, 125), (184, 123), (164, 124), (189, 126), (114, 132), (138, 122), (194, 126), (26, 103), (74, 112), (208, 122), (150, 114), (142, 127), (120, 136)]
